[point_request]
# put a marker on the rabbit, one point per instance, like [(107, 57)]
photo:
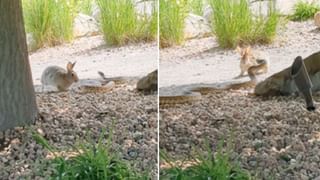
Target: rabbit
[(59, 77), (250, 58)]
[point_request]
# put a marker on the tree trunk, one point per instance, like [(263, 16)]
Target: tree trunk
[(17, 97)]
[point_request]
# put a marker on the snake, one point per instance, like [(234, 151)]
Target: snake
[(193, 93), (147, 84), (102, 85)]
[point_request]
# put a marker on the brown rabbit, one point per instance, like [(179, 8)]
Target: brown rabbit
[(257, 60), (59, 77)]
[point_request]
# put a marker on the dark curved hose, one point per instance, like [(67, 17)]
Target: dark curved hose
[(302, 80)]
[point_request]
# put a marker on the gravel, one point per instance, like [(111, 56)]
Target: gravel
[(68, 116), (274, 137)]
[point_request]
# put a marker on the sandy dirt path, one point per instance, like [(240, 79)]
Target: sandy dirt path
[(93, 55), (202, 61)]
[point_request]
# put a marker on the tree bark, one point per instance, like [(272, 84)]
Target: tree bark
[(17, 97)]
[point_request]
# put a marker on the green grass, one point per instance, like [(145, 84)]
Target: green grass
[(49, 21), (92, 161), (196, 6), (208, 165), (154, 24), (172, 17), (121, 24), (148, 28), (234, 23), (304, 11), (85, 6)]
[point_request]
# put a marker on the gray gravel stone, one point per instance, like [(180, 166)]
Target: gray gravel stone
[(62, 127)]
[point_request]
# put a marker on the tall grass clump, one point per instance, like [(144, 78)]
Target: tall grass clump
[(49, 21), (205, 165), (196, 6), (88, 160), (121, 23), (304, 10), (172, 17), (85, 6), (154, 25), (148, 27), (234, 23)]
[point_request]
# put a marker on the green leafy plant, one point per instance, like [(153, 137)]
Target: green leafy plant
[(304, 11), (90, 160), (205, 165), (172, 17), (234, 23), (49, 21), (121, 23)]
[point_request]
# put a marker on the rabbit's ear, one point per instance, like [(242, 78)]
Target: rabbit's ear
[(73, 64), (70, 66)]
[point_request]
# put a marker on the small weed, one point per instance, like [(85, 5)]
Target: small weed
[(208, 165), (88, 160), (304, 11)]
